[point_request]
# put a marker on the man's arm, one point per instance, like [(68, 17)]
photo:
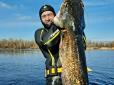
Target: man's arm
[(37, 37)]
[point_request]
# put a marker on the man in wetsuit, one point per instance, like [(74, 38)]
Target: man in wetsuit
[(48, 39)]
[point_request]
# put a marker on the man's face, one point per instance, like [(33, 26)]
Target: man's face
[(47, 17)]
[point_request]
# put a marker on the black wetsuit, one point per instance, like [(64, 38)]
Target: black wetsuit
[(48, 41)]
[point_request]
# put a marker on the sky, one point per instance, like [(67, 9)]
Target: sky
[(20, 18)]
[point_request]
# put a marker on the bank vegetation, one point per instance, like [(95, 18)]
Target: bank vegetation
[(100, 45), (30, 44), (17, 44)]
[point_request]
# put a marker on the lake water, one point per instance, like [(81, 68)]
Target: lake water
[(26, 67)]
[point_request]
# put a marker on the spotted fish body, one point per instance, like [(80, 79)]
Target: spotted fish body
[(74, 70)]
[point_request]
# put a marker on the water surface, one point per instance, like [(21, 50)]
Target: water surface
[(27, 67)]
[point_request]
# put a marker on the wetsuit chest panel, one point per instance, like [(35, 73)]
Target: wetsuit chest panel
[(46, 35), (50, 37)]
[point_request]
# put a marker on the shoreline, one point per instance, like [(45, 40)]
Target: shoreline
[(101, 48), (30, 49)]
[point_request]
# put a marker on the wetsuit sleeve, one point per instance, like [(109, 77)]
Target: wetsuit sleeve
[(37, 36), (38, 41), (82, 20)]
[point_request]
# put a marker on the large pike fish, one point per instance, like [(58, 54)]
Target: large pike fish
[(72, 55)]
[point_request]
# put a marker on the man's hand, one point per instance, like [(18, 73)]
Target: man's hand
[(58, 22)]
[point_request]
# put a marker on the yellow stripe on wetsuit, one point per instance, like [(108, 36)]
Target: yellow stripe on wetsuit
[(52, 57), (85, 39), (52, 38)]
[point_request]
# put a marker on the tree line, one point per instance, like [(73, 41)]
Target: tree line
[(17, 44), (30, 44), (100, 44)]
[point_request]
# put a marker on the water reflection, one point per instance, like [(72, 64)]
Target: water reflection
[(18, 51)]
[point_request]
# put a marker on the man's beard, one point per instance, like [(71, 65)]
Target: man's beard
[(47, 26)]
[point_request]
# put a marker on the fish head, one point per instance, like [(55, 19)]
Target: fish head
[(64, 18)]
